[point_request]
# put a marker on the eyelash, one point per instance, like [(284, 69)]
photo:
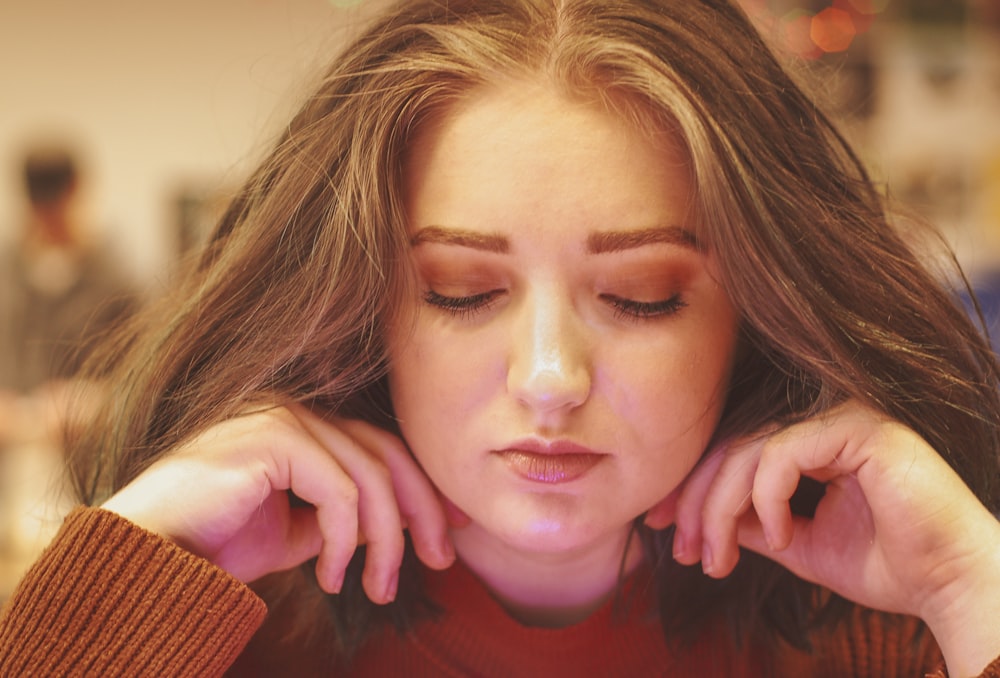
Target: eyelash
[(629, 309), (462, 306), (626, 309)]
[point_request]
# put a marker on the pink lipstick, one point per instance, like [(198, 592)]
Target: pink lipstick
[(549, 463)]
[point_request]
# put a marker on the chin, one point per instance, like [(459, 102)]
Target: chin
[(549, 542), (553, 534)]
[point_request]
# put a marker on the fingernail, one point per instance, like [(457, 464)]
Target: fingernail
[(706, 558), (680, 545), (447, 550), (391, 589)]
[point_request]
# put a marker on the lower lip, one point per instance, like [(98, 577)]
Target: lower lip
[(549, 468)]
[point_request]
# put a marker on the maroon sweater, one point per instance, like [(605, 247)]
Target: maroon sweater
[(108, 598)]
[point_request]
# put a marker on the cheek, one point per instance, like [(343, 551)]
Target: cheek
[(413, 380), (435, 379), (674, 415), (670, 384), (672, 396)]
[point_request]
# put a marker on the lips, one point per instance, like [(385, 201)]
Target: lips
[(551, 464)]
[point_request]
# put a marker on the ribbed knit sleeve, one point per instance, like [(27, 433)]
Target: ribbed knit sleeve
[(991, 671), (108, 598), (873, 645)]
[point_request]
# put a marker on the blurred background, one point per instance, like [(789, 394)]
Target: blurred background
[(152, 112)]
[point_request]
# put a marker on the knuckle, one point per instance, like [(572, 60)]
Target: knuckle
[(381, 470), (771, 447), (349, 494), (759, 497)]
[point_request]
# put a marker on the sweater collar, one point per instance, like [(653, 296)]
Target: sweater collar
[(623, 637)]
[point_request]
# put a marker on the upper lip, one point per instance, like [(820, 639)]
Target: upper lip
[(536, 446)]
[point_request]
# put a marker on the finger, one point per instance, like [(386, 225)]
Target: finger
[(419, 502), (796, 557), (750, 535), (726, 501), (304, 538), (317, 478), (814, 448), (378, 513), (688, 520), (778, 476), (289, 459), (254, 552)]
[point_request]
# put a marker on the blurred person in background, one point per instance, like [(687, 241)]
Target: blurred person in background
[(60, 288), (556, 306)]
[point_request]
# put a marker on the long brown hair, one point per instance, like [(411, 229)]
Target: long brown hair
[(291, 299)]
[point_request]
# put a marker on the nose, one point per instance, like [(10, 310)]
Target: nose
[(549, 368)]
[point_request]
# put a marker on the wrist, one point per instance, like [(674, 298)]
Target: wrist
[(133, 506), (962, 615)]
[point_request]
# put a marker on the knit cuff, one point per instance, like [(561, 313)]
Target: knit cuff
[(110, 598), (991, 671)]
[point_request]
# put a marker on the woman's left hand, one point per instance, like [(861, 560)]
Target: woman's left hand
[(896, 529)]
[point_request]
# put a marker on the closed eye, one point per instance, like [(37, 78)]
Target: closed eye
[(640, 310), (463, 306)]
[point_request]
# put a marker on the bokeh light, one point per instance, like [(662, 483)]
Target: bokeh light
[(796, 31), (810, 32), (869, 6), (832, 30)]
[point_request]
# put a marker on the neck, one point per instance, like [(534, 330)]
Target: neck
[(548, 589)]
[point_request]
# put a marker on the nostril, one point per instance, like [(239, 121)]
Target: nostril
[(548, 369), (551, 388)]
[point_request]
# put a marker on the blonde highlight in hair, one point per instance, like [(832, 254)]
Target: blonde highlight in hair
[(292, 298)]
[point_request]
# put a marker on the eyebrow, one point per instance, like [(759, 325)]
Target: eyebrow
[(617, 241), (597, 243), (451, 236)]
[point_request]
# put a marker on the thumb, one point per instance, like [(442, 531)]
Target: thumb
[(270, 543), (750, 535), (793, 555)]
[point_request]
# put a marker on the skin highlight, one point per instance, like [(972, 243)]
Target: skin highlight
[(833, 300), (574, 325)]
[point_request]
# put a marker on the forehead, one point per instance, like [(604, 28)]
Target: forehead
[(543, 106), (522, 146)]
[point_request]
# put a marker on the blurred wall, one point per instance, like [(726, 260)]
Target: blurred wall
[(915, 84), (158, 96), (170, 102), (935, 133)]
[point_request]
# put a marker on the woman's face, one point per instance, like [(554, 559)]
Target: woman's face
[(571, 348)]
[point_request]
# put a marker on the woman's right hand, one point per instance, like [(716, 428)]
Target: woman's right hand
[(224, 496)]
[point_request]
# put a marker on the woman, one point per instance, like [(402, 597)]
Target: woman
[(577, 294)]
